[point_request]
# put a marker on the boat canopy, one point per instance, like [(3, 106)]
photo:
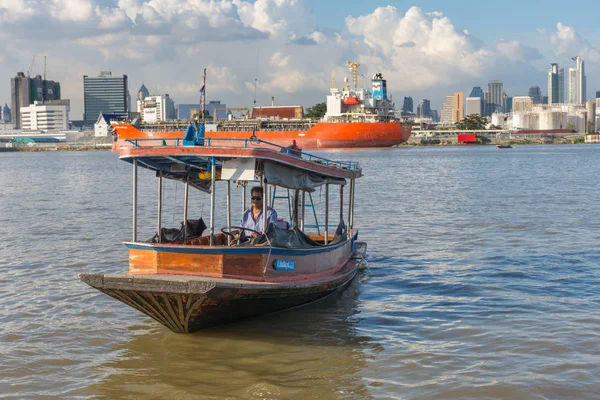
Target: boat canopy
[(291, 178), (193, 164)]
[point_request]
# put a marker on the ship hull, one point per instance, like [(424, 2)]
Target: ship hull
[(323, 135)]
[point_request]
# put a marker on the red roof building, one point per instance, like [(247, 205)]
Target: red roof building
[(278, 112)]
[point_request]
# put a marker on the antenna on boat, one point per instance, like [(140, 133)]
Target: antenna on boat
[(256, 76)]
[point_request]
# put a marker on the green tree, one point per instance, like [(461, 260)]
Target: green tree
[(473, 122), (317, 111)]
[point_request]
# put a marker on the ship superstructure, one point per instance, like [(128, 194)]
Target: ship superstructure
[(354, 104)]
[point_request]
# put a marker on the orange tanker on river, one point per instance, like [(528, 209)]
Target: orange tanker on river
[(355, 117)]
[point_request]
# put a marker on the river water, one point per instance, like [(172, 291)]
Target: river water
[(483, 281)]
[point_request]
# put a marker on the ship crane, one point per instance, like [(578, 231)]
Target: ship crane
[(354, 69), (31, 66)]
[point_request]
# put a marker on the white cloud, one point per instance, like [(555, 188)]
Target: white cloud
[(281, 18), (515, 51), (568, 42), (417, 50), (166, 43)]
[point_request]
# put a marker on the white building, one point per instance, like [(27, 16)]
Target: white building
[(473, 106), (157, 108), (522, 104), (577, 82), (41, 117)]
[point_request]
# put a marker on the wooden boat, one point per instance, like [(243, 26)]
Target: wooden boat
[(504, 146), (189, 281)]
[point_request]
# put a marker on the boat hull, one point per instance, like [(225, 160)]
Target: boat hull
[(186, 304), (323, 135)]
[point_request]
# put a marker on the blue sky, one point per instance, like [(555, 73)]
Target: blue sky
[(426, 49)]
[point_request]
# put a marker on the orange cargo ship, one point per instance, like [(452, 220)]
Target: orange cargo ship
[(355, 117)]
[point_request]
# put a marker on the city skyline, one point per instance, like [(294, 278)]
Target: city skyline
[(424, 52)]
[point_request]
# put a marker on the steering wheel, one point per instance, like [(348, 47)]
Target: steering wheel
[(227, 231)]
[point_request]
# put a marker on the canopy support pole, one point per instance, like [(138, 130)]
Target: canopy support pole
[(135, 197), (160, 190), (303, 203), (243, 197), (327, 213), (228, 210), (341, 203), (185, 207), (351, 207), (264, 198), (213, 170)]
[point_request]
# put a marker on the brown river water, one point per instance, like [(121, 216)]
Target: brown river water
[(483, 281)]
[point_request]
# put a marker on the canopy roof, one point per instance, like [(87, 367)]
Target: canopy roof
[(193, 163)]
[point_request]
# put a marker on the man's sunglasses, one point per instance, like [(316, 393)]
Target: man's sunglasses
[(256, 197)]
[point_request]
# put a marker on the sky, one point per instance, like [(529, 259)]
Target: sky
[(291, 49)]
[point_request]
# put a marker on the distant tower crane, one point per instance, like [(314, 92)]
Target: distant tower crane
[(354, 69), (31, 66)]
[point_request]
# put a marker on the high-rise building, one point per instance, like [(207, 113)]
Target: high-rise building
[(478, 92), (544, 100), (535, 93), (577, 82), (424, 109), (495, 93), (473, 106), (435, 116), (458, 107), (25, 90), (506, 103), (104, 94), (447, 108), (142, 93), (561, 85), (598, 94), (556, 84), (6, 114), (408, 105)]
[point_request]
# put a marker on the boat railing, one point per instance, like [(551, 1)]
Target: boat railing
[(251, 142)]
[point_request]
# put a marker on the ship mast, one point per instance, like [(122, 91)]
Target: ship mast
[(354, 68)]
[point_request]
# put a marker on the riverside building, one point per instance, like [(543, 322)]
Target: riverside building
[(157, 108), (25, 91), (45, 117)]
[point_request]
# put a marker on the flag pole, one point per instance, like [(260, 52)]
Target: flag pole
[(203, 97)]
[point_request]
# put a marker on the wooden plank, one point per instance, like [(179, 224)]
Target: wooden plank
[(142, 261), (243, 264)]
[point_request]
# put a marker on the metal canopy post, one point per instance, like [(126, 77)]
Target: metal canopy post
[(228, 209), (213, 170), (351, 207), (243, 197), (135, 197), (303, 202), (160, 190), (185, 207), (341, 203), (327, 213), (264, 198)]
